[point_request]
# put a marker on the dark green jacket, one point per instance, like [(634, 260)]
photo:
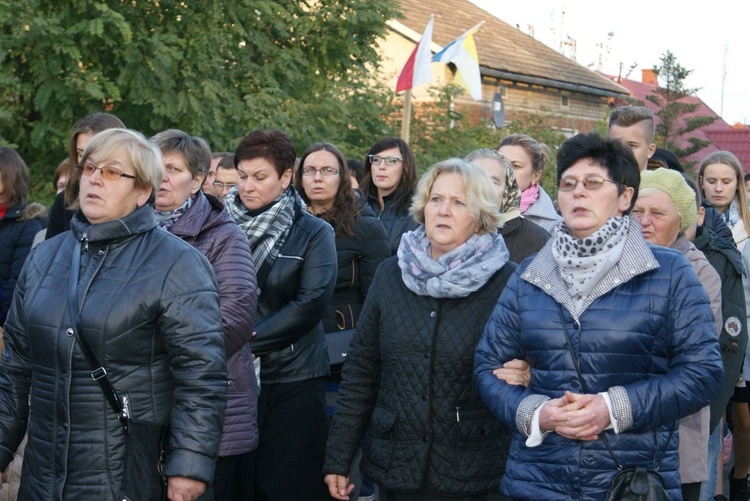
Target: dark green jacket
[(726, 259)]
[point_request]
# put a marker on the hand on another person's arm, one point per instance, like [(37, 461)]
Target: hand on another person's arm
[(515, 372)]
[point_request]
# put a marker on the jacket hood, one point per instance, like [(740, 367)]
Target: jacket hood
[(34, 211), (715, 222), (708, 240)]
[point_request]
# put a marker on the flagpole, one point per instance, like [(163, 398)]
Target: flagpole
[(406, 118)]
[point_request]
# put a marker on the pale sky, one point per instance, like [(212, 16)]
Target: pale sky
[(697, 33)]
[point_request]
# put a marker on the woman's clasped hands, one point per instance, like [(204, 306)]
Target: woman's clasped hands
[(575, 416)]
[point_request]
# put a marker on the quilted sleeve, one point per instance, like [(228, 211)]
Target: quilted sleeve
[(501, 342), (696, 368), (190, 321)]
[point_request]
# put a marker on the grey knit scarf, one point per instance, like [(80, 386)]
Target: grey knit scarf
[(455, 274)]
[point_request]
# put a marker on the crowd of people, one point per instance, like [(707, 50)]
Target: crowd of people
[(483, 341)]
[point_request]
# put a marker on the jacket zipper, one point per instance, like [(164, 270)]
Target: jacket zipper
[(70, 363)]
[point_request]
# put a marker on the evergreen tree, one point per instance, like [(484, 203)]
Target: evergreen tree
[(676, 114)]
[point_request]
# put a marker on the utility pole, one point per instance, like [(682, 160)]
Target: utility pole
[(723, 79)]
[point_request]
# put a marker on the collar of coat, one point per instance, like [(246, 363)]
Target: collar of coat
[(636, 259), (139, 221)]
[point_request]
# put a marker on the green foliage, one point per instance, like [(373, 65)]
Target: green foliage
[(445, 130), (674, 125), (214, 69)]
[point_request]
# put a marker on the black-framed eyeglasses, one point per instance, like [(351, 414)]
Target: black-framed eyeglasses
[(591, 183), (376, 159), (109, 173), (221, 186), (324, 171)]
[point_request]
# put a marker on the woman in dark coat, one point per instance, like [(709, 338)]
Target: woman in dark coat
[(149, 308), (324, 183), (295, 261), (390, 175), (522, 237), (407, 379), (641, 372), (200, 220), (66, 201), (17, 224)]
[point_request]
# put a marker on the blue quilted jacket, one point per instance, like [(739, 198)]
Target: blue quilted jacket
[(647, 338)]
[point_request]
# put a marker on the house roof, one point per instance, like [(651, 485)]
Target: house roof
[(720, 133), (504, 51), (735, 140)]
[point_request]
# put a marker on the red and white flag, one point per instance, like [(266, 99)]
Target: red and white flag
[(418, 69)]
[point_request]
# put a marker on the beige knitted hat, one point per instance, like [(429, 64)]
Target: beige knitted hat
[(673, 184)]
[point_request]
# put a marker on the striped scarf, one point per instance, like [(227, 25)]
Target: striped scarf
[(268, 230)]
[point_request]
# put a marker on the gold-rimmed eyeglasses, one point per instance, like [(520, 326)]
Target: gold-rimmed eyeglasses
[(590, 183), (108, 172)]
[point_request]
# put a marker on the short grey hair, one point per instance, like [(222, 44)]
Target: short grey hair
[(132, 146), (481, 196), (194, 149)]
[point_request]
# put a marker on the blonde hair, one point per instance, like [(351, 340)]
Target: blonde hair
[(727, 158), (143, 155), (481, 197)]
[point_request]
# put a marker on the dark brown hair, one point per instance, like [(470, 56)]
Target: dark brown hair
[(408, 182), (90, 124), (63, 169), (15, 177), (272, 146), (343, 214)]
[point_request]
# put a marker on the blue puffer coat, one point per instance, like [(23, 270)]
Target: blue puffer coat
[(17, 230), (647, 337)]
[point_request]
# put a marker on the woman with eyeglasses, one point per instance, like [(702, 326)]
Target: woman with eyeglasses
[(390, 176), (295, 261), (619, 335), (199, 219), (324, 183), (148, 306)]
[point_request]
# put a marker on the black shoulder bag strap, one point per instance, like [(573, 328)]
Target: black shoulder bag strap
[(98, 372), (583, 387)]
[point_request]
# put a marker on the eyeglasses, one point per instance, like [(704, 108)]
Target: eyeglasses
[(221, 186), (590, 183), (107, 172), (376, 159), (325, 171)]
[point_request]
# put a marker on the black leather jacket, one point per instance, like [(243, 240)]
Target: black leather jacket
[(293, 297)]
